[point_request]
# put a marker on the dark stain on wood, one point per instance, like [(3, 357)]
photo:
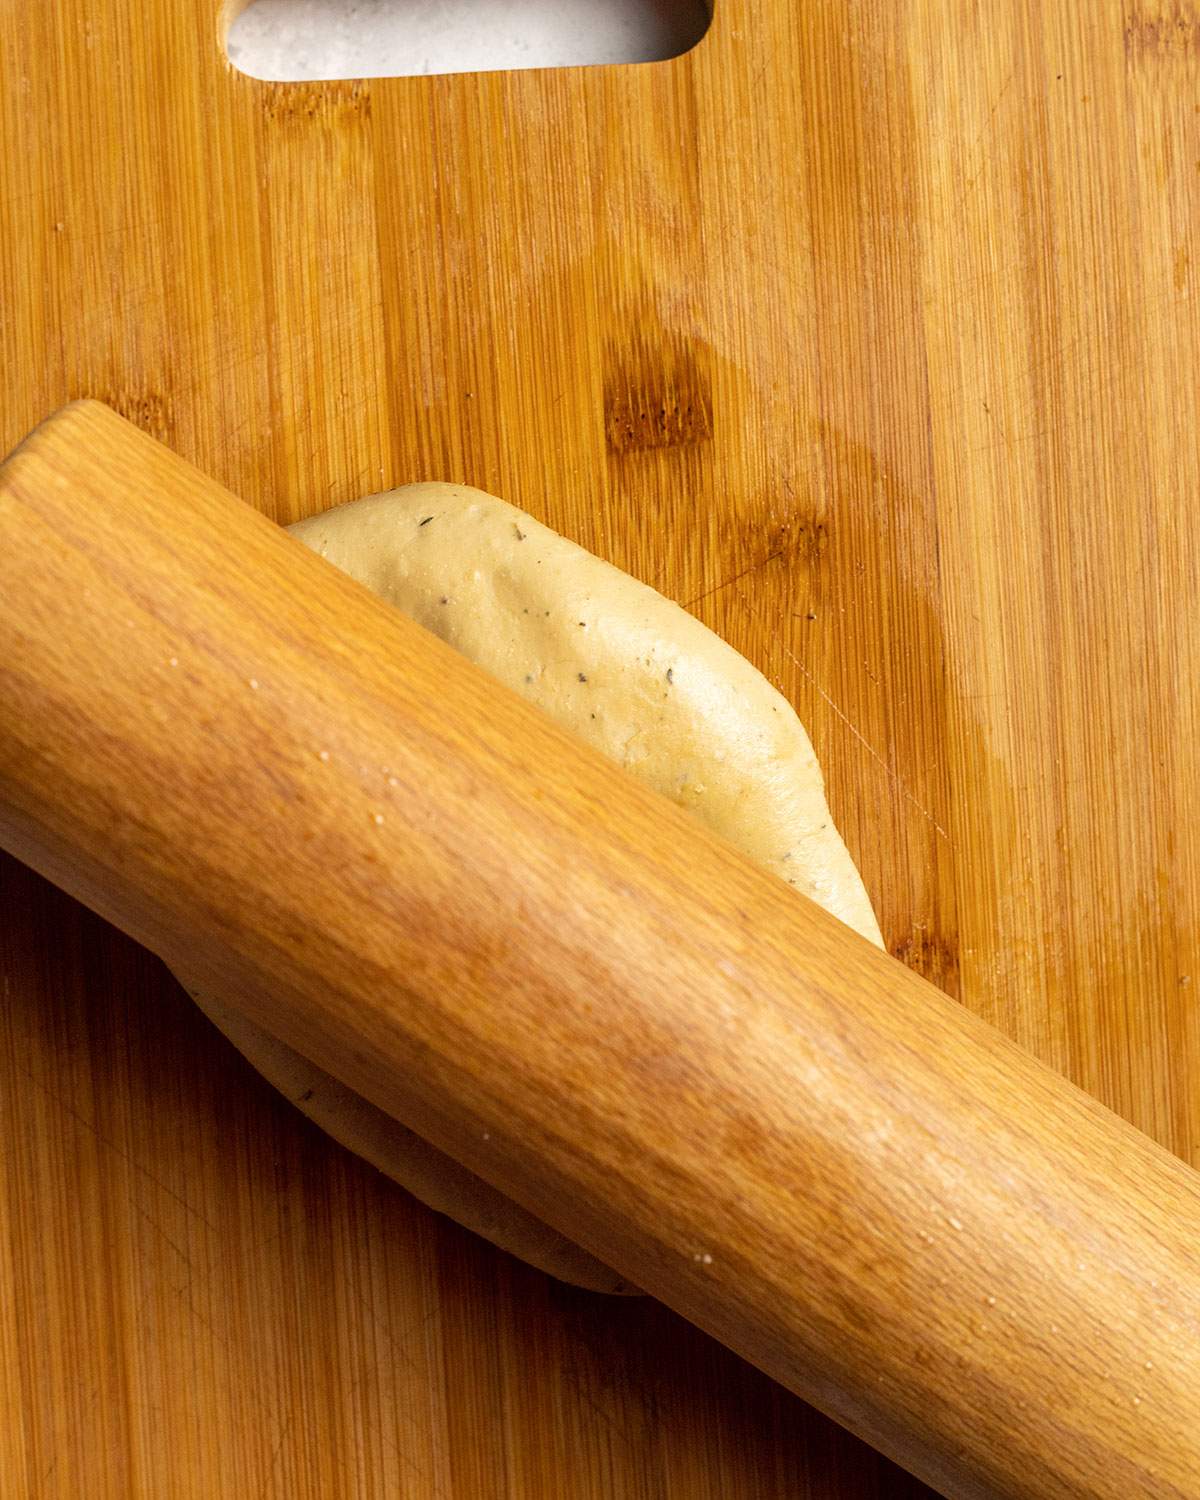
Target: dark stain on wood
[(145, 407), (657, 394), (932, 955), (1169, 30), (334, 103)]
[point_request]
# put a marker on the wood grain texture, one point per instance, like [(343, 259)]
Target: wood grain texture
[(336, 824), (876, 313)]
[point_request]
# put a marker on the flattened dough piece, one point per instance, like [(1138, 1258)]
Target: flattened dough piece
[(610, 659), (629, 672)]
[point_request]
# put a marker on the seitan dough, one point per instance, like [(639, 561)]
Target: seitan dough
[(626, 670)]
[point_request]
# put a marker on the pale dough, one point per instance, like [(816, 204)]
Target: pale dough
[(610, 659), (626, 670)]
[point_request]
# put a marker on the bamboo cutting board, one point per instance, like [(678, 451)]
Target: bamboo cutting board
[(865, 330)]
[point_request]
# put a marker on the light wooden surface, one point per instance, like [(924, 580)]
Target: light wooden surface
[(877, 313)]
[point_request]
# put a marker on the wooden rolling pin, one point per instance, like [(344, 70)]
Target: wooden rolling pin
[(570, 986)]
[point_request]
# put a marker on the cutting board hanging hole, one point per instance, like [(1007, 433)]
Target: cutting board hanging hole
[(308, 40)]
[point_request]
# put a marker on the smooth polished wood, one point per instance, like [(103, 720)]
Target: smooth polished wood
[(339, 825), (877, 313)]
